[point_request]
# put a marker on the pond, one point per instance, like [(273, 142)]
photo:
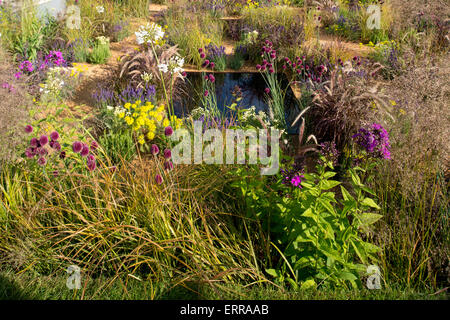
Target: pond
[(251, 86)]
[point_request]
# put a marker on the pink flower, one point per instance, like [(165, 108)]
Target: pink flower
[(154, 149), (168, 131), (28, 129), (168, 165), (158, 179), (42, 161), (77, 146), (34, 142), (84, 151), (54, 135), (94, 145), (167, 154), (43, 140), (267, 90)]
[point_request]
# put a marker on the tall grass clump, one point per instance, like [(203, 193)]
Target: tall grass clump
[(119, 221)]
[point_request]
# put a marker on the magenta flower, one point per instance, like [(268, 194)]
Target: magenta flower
[(29, 153), (62, 155), (42, 161), (43, 140), (167, 154), (168, 131), (154, 149), (158, 179), (54, 135), (77, 146), (34, 142), (212, 65), (18, 75), (94, 145), (202, 55), (56, 146), (84, 150), (267, 90), (211, 78), (28, 129), (168, 165), (91, 165), (206, 93)]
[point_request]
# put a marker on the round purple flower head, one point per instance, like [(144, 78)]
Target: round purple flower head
[(43, 140), (54, 135), (94, 145), (267, 90), (91, 164), (154, 149), (29, 153), (211, 78), (84, 151), (77, 146), (168, 165), (42, 161), (167, 154), (28, 129), (158, 179), (34, 142), (168, 131)]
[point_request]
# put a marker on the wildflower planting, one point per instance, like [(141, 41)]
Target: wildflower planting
[(224, 149)]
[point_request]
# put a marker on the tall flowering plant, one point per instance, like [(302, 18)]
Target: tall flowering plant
[(208, 98), (274, 93)]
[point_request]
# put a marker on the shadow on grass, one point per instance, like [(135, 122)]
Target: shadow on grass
[(10, 290)]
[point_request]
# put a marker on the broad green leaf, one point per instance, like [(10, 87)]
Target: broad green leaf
[(308, 284), (369, 202), (272, 272), (368, 218), (347, 276), (328, 184)]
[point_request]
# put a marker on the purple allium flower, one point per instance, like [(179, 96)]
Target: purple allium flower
[(212, 65), (158, 179), (200, 50), (55, 173), (154, 149), (28, 129), (91, 164), (54, 135), (56, 145), (168, 131), (41, 151), (184, 74), (167, 153), (62, 155), (267, 90), (168, 165), (202, 55), (77, 146), (94, 145), (212, 78), (42, 161), (84, 150), (29, 153), (43, 140), (206, 93), (205, 64), (90, 157)]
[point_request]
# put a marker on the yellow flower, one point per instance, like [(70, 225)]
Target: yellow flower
[(129, 120), (121, 115), (150, 135), (393, 102), (166, 122), (127, 105)]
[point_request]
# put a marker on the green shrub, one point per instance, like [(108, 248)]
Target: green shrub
[(100, 51)]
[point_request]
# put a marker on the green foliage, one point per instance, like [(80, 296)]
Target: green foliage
[(100, 51), (236, 61), (118, 146), (315, 229)]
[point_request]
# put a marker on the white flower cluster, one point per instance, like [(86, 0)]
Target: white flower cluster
[(251, 37), (174, 66), (100, 9), (249, 116), (151, 33), (55, 81), (102, 40)]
